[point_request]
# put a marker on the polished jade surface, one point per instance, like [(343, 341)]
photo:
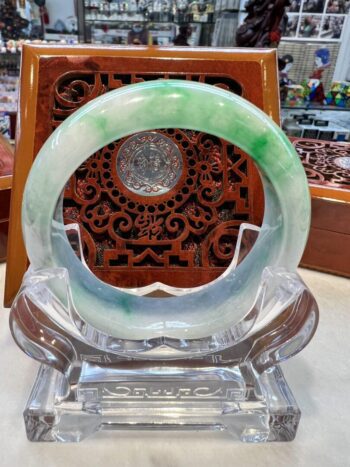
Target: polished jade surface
[(168, 104)]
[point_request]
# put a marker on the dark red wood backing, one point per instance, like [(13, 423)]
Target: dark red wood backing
[(6, 168), (328, 247), (6, 158)]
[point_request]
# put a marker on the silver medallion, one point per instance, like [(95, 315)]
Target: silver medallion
[(149, 164)]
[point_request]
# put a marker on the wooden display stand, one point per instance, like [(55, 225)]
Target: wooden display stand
[(327, 168)]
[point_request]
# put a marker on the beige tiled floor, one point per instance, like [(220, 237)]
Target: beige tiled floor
[(319, 377)]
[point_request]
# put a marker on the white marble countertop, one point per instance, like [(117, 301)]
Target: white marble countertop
[(319, 378)]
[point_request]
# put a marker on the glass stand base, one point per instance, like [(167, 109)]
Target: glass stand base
[(135, 396)]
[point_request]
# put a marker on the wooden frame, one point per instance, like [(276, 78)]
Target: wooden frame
[(255, 69)]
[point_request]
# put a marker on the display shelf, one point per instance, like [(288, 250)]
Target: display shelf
[(144, 21), (9, 54), (202, 23), (310, 106)]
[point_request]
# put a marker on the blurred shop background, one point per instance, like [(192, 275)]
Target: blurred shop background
[(312, 38)]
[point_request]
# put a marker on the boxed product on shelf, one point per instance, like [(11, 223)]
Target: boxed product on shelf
[(320, 124), (295, 95), (339, 94)]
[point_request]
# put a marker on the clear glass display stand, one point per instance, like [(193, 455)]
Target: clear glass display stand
[(86, 383)]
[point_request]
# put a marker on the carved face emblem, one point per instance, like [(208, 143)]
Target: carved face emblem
[(150, 161), (149, 164)]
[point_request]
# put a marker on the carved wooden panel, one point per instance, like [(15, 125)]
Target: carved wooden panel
[(190, 228), (327, 163)]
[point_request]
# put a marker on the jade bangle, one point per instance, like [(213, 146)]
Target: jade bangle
[(154, 105)]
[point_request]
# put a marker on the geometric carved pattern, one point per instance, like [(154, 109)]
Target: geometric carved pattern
[(192, 226), (326, 162)]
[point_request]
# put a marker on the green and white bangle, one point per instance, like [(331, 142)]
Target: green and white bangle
[(168, 104)]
